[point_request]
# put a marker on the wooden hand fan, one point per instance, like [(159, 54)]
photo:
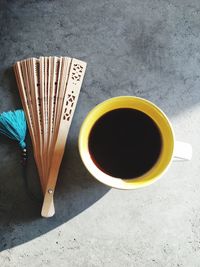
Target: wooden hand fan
[(49, 88)]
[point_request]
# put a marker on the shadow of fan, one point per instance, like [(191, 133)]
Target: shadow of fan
[(8, 82), (20, 219)]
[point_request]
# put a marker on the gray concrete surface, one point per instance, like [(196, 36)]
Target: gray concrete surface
[(147, 48)]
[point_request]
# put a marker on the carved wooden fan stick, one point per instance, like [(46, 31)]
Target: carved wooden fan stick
[(49, 88)]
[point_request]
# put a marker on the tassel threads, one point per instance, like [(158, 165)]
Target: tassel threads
[(13, 125)]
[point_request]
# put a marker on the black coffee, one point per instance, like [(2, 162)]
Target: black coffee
[(125, 143)]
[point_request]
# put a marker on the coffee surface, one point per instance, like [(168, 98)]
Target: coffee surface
[(125, 143)]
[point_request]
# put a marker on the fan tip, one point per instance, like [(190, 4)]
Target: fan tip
[(48, 209), (47, 214)]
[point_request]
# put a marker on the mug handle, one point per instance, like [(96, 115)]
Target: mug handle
[(182, 151)]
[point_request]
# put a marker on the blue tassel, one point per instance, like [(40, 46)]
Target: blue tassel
[(13, 125)]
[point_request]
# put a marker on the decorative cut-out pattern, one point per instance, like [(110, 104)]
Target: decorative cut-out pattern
[(77, 73), (68, 106)]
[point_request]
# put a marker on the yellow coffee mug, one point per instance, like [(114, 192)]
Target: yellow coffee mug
[(171, 149)]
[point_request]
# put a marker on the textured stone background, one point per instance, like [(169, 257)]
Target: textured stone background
[(147, 48)]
